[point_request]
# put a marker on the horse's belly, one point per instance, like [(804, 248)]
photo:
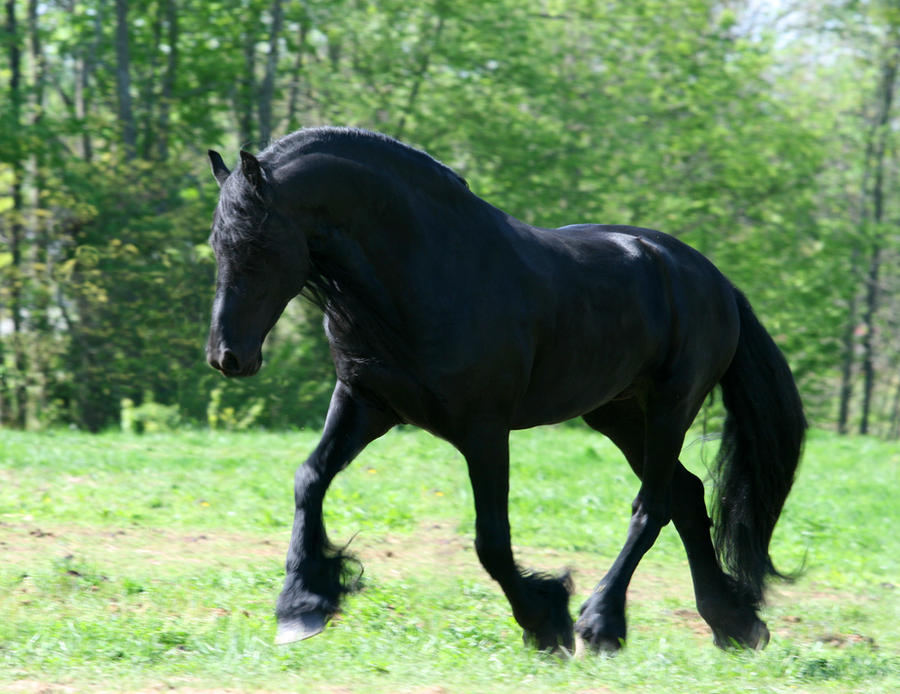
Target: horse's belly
[(557, 395)]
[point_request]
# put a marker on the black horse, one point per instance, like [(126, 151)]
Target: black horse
[(447, 313)]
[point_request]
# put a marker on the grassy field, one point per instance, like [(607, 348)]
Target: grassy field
[(152, 564)]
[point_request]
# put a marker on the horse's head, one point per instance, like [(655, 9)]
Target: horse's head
[(263, 262)]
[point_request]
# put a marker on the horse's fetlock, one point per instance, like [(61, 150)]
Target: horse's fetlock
[(297, 601)]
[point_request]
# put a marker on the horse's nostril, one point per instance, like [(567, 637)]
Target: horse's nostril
[(229, 362)]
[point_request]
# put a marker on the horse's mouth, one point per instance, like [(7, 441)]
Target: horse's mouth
[(231, 366)]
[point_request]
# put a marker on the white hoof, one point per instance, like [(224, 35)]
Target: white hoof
[(580, 648), (301, 627)]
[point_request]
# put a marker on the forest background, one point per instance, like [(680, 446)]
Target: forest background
[(765, 134)]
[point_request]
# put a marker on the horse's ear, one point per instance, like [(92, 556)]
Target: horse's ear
[(253, 172), (220, 171)]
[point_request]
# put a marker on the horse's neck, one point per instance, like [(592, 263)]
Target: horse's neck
[(396, 250), (363, 280)]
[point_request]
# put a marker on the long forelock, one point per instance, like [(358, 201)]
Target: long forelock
[(240, 217)]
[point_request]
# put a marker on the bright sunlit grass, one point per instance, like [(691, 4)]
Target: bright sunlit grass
[(135, 563)]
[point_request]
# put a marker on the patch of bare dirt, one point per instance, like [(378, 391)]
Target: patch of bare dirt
[(844, 640), (432, 544), (692, 620), (26, 543), (39, 687)]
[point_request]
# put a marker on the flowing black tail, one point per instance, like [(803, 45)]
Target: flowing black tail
[(761, 446)]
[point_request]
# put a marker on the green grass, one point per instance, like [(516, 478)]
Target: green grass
[(152, 563)]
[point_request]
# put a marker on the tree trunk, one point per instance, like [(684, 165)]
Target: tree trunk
[(847, 343), (168, 82), (16, 228), (38, 231), (86, 64), (868, 357), (123, 81), (850, 334), (294, 97), (885, 98), (245, 93), (146, 85), (422, 70), (38, 61), (267, 90)]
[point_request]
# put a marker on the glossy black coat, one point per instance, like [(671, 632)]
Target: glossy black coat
[(445, 312)]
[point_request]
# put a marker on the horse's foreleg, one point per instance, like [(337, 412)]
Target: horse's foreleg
[(316, 571), (539, 602)]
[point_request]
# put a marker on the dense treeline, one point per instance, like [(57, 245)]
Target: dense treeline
[(766, 141)]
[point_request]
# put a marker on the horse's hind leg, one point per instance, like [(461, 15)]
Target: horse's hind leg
[(315, 579), (539, 602), (731, 619), (654, 457)]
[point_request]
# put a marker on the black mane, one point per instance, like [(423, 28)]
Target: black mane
[(241, 213), (357, 143)]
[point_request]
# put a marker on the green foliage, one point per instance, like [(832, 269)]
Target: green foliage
[(148, 417), (708, 120), (227, 418), (137, 289)]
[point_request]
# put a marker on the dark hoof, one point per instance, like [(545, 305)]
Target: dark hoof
[(301, 627), (755, 637), (549, 626), (550, 641), (599, 633), (600, 644), (606, 646), (555, 634)]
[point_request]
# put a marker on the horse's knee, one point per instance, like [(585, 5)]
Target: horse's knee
[(689, 509), (652, 510), (307, 485)]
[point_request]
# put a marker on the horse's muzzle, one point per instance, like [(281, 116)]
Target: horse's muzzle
[(231, 364)]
